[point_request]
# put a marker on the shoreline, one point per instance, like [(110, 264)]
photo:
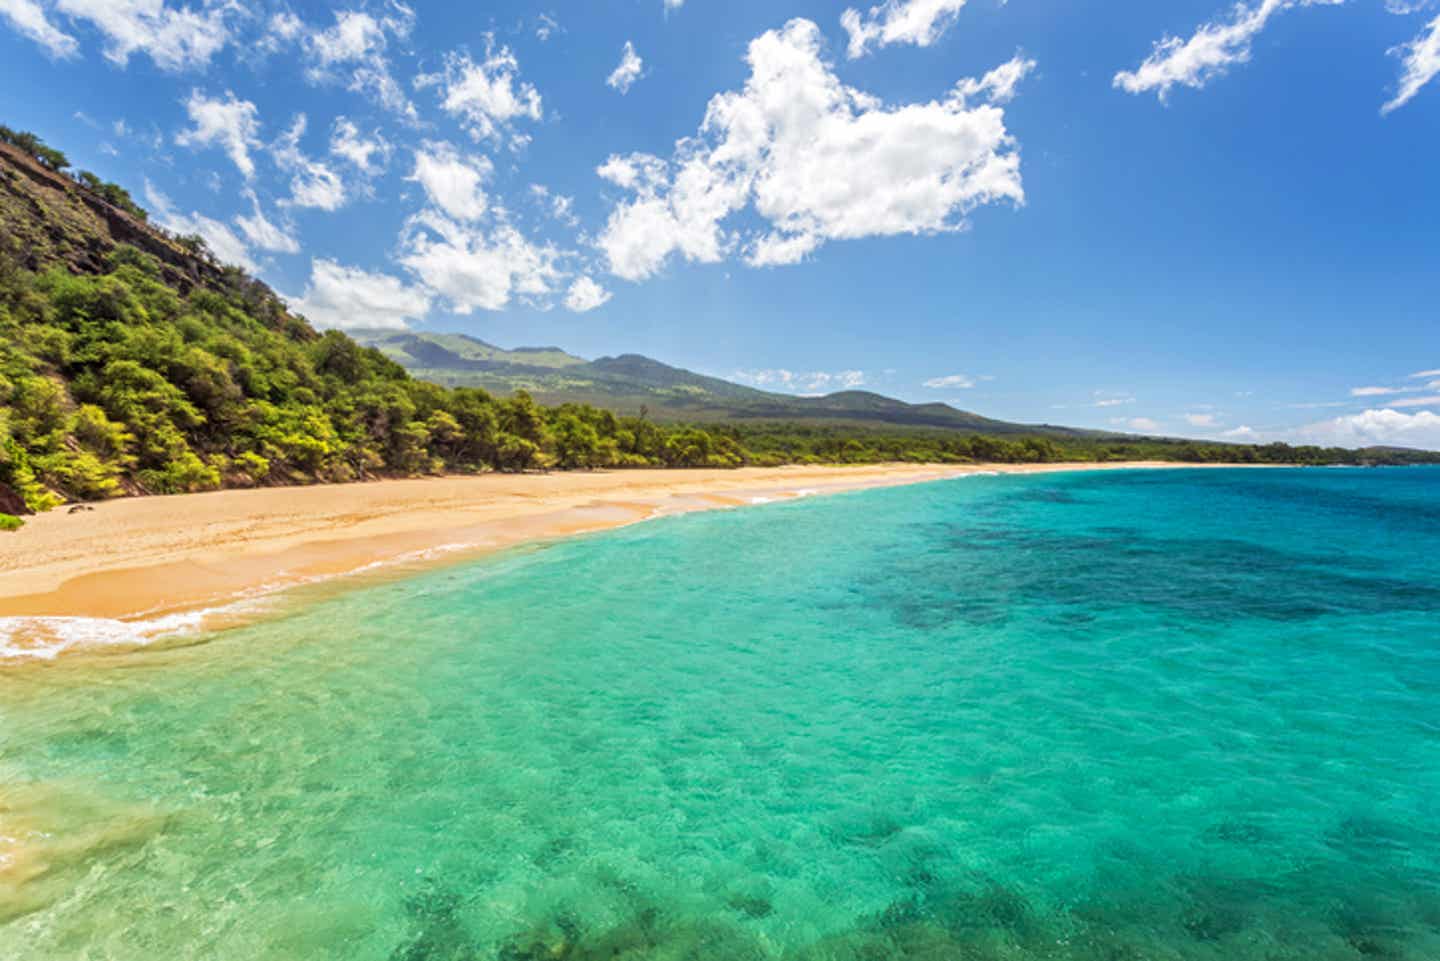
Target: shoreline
[(136, 569)]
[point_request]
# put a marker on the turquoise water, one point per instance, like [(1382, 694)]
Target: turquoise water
[(1147, 715)]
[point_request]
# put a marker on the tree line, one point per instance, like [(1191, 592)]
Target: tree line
[(118, 384), (55, 160)]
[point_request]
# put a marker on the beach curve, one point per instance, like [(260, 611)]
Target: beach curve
[(137, 569)]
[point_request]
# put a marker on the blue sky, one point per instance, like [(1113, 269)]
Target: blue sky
[(1190, 217)]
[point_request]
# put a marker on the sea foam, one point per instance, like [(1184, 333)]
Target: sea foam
[(46, 638)]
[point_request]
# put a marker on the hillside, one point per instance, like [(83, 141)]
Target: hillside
[(630, 382), (131, 362)]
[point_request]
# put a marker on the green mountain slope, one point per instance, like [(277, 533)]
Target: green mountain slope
[(459, 352), (132, 362), (631, 382)]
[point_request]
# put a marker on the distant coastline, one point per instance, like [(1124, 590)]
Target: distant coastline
[(150, 564)]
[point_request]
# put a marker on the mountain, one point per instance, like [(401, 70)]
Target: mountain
[(133, 362), (630, 382)]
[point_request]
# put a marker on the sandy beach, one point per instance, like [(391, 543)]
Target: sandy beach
[(158, 557)]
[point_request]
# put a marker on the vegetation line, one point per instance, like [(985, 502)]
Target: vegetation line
[(120, 379)]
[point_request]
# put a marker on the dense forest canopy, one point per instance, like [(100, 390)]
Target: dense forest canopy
[(119, 381)]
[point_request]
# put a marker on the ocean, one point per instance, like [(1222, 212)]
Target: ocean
[(1129, 716)]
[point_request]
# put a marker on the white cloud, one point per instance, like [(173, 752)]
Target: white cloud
[(477, 266), (29, 20), (918, 22), (176, 39), (368, 154), (546, 26), (489, 97), (1429, 401), (1374, 391), (312, 184), (673, 5), (1377, 427), (1111, 398), (348, 297), (1209, 52), (797, 382), (231, 124), (817, 160), (353, 51), (453, 183), (1242, 433), (636, 172), (282, 28), (559, 206), (953, 381), (1420, 63), (263, 233), (1142, 424), (222, 241), (1202, 420), (623, 77), (1425, 373), (585, 294), (999, 85)]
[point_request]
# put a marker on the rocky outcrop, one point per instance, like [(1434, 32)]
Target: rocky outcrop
[(12, 503), (51, 219)]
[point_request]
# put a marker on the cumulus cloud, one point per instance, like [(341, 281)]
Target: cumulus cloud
[(368, 153), (353, 51), (477, 266), (222, 241), (951, 382), (312, 183), (1377, 427), (265, 234), (348, 297), (231, 124), (1202, 420), (174, 38), (1420, 63), (488, 97), (585, 295), (623, 77), (452, 182), (812, 382), (1208, 53), (816, 160), (29, 19), (1142, 424), (546, 26), (918, 22)]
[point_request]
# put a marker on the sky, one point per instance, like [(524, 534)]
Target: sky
[(1189, 218)]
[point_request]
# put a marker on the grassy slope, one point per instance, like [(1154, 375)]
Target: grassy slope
[(629, 382)]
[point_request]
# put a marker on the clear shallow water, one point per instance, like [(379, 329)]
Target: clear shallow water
[(1169, 715)]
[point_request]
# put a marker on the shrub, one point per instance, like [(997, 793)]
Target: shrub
[(9, 522)]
